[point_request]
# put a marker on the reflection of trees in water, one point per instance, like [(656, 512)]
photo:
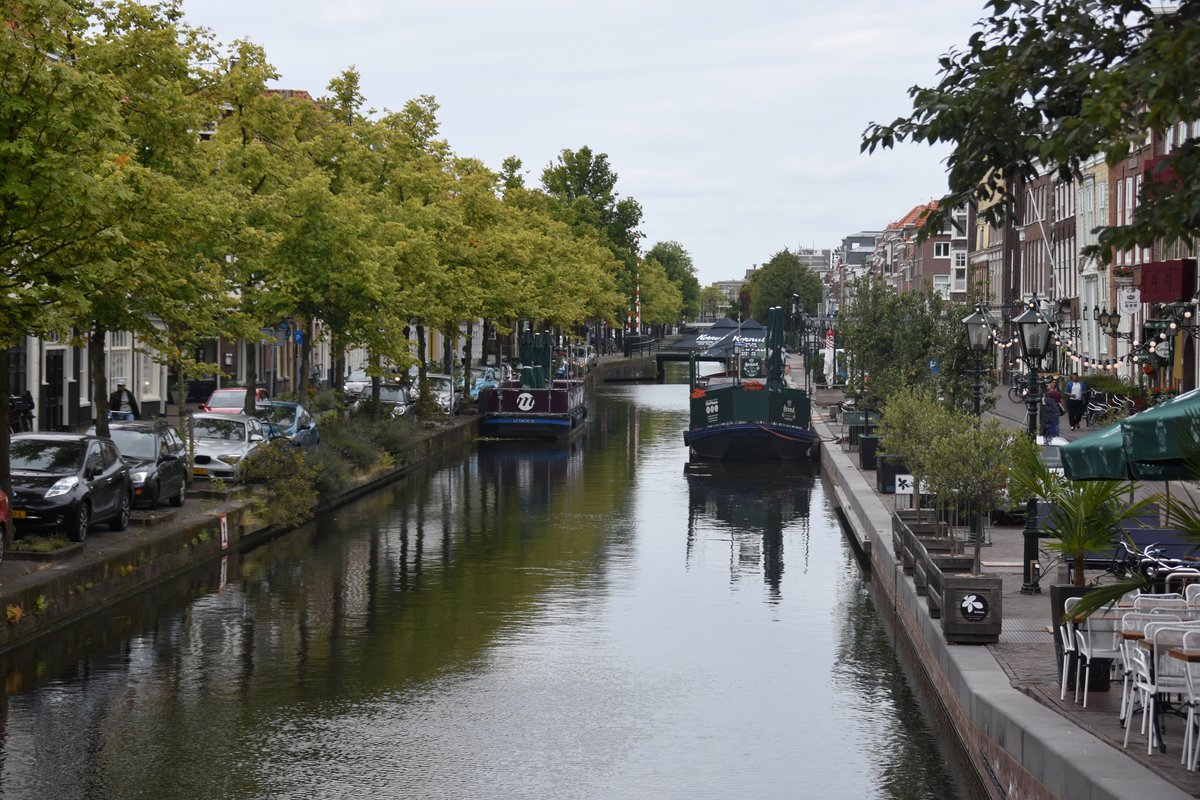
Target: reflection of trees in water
[(754, 502), (909, 763)]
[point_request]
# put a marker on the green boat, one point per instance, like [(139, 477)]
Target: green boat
[(748, 412)]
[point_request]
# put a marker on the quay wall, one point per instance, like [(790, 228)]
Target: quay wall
[(1016, 747)]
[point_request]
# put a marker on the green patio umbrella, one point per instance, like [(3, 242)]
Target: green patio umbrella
[(1099, 456), (775, 349), (1150, 446), (1159, 440)]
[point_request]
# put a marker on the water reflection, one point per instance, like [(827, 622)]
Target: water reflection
[(753, 503), (516, 624)]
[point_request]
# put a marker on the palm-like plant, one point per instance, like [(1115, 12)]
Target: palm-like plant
[(1086, 515)]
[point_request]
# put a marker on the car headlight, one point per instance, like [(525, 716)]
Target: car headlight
[(229, 458), (139, 476), (62, 486)]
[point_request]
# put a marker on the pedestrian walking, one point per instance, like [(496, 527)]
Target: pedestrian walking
[(1076, 392), (1052, 409)]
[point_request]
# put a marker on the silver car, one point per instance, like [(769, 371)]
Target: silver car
[(223, 442), (393, 397), (444, 394)]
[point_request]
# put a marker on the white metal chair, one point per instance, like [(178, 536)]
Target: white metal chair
[(1066, 634), (1154, 674), (1146, 602), (1095, 638), (1133, 621), (1191, 593), (1191, 742)]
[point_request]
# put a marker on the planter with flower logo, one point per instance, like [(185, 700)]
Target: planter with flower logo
[(972, 608)]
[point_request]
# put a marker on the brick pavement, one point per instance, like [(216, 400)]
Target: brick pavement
[(1026, 650)]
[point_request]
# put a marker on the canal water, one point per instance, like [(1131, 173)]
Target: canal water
[(593, 621)]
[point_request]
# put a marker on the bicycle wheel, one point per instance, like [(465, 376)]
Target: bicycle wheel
[(1015, 395)]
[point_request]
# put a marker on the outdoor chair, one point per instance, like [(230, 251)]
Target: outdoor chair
[(1133, 621), (1148, 602), (1155, 674), (1096, 638), (1192, 594), (1066, 633), (1191, 742)]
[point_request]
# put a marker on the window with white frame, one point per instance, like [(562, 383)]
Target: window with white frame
[(941, 249), (941, 285), (120, 359)]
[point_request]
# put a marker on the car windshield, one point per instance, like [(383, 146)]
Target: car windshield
[(439, 385), (42, 456), (134, 443), (226, 429), (358, 376), (392, 394), (228, 398), (281, 414)]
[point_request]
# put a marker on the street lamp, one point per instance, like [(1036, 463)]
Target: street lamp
[(979, 338), (1035, 336)]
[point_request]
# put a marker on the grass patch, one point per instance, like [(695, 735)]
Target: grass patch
[(40, 544)]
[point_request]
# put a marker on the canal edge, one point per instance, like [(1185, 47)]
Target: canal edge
[(1016, 746)]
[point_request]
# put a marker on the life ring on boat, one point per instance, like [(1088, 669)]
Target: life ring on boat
[(698, 393), (752, 385)]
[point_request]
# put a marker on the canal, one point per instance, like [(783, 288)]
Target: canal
[(583, 622)]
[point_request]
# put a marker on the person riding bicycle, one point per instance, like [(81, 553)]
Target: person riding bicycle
[(121, 403)]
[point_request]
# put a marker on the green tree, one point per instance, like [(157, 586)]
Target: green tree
[(712, 299), (60, 173), (776, 282), (677, 263), (1052, 83)]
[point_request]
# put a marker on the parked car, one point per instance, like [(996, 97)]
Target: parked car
[(393, 397), (6, 520), (291, 421), (447, 398), (222, 442), (232, 401), (67, 481), (359, 381), (157, 460), (484, 378)]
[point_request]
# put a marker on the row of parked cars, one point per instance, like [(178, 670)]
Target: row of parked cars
[(68, 481), (397, 391)]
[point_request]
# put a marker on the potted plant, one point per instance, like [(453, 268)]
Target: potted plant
[(1085, 518)]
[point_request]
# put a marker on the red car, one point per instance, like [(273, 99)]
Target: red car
[(232, 401), (5, 519)]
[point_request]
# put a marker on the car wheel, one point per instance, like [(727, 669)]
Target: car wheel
[(177, 498), (121, 521), (78, 530)]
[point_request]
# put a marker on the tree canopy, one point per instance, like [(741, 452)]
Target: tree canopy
[(776, 282), (1053, 83)]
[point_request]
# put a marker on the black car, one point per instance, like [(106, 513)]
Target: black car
[(67, 481), (157, 460)]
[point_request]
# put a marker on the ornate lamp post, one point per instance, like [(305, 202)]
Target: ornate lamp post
[(979, 338), (1035, 336)]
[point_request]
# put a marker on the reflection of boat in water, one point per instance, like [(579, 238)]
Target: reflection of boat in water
[(754, 505), (736, 415), (535, 405)]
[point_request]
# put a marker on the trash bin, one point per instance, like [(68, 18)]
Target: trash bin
[(868, 446)]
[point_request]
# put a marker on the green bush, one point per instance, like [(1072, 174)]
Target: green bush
[(331, 472), (1106, 382), (290, 482)]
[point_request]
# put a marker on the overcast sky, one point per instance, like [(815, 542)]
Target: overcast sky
[(735, 125)]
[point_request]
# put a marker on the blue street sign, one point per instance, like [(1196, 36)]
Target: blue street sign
[(933, 366), (298, 336)]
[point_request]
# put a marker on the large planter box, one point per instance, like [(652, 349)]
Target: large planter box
[(868, 447), (938, 568), (972, 608), (1059, 594), (887, 467)]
